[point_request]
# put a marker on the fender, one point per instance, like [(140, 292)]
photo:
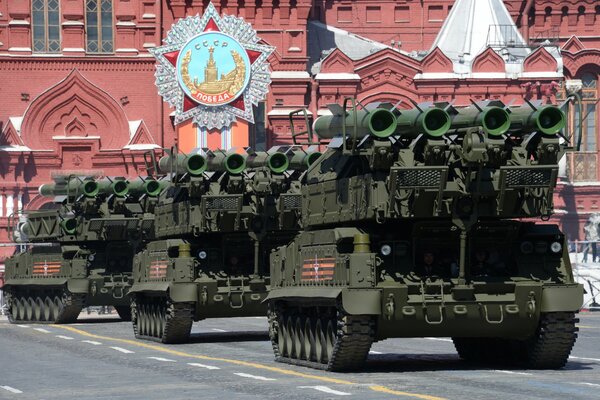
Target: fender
[(16, 282), (354, 302), (178, 292), (562, 298)]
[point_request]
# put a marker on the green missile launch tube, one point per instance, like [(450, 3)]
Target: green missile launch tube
[(69, 225), (118, 187), (546, 119), (301, 159), (276, 162), (88, 188), (495, 121), (431, 121), (194, 164), (232, 163), (379, 122), (150, 187)]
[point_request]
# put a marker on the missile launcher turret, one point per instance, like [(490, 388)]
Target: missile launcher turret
[(418, 231), (80, 252)]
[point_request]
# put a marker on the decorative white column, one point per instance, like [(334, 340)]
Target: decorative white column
[(1, 205), (9, 205), (20, 202)]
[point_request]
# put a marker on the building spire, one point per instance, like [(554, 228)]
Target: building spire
[(474, 25)]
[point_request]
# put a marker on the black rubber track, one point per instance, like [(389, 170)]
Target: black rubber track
[(548, 348), (551, 345), (71, 306)]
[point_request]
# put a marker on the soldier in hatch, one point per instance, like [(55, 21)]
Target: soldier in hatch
[(481, 265), (430, 267)]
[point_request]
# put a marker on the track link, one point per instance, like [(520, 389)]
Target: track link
[(160, 320), (320, 338), (72, 304), (551, 345), (548, 348)]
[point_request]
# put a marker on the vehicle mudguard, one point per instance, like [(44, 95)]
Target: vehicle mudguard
[(354, 301), (34, 282), (178, 292), (78, 285), (567, 297)]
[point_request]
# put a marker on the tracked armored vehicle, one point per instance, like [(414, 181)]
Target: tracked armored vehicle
[(80, 253), (216, 224), (421, 222)]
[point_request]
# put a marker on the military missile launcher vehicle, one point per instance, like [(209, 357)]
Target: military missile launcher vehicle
[(420, 222), (80, 253), (217, 222)]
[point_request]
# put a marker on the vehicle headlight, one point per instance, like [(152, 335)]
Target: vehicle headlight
[(556, 247), (386, 250), (202, 255)]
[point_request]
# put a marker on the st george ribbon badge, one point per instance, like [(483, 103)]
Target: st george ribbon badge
[(212, 69)]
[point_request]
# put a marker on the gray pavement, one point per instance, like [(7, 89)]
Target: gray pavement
[(98, 358)]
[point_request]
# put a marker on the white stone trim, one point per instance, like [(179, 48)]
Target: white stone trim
[(541, 75), (337, 76), (289, 75), (14, 148), (439, 75), (18, 22), (141, 146), (10, 204), (73, 23), (75, 137)]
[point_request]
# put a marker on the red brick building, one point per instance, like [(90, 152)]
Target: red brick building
[(77, 82)]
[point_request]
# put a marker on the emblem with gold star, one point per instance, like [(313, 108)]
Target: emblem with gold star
[(212, 69)]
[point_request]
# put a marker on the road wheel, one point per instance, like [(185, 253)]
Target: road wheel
[(29, 305), (38, 307), (56, 307), (299, 339), (48, 315), (330, 335), (143, 319), (281, 334), (154, 320), (309, 340), (320, 342), (289, 337)]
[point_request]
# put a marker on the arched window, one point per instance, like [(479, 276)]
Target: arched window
[(584, 164), (99, 26), (45, 18)]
